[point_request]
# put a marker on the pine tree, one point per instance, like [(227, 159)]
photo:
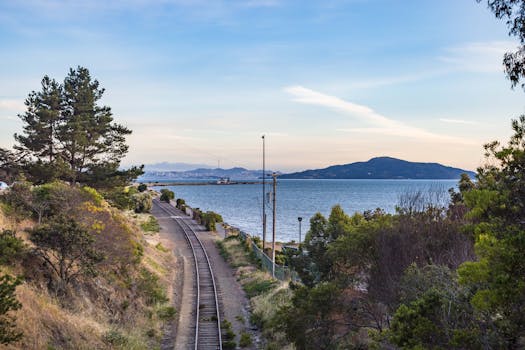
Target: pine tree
[(67, 135), (89, 138)]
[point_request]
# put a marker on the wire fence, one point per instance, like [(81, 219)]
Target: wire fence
[(282, 273)]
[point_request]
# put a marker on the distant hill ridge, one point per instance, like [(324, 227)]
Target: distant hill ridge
[(382, 168)]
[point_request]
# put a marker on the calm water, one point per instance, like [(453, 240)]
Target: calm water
[(241, 205)]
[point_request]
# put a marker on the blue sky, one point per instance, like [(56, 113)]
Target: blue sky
[(328, 82)]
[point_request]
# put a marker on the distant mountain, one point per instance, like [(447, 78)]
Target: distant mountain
[(167, 166), (203, 173), (382, 168)]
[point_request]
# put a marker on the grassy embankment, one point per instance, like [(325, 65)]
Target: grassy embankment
[(124, 305), (266, 294)]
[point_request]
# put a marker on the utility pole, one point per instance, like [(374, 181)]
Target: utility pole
[(299, 219), (274, 175), (264, 197)]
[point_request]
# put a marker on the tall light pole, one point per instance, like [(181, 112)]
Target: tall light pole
[(264, 196), (299, 219), (274, 175)]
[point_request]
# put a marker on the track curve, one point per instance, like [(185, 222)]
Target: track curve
[(207, 312)]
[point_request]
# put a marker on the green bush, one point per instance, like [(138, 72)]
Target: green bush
[(150, 287), (160, 247), (258, 287), (166, 195), (209, 219), (114, 337), (246, 340), (11, 247), (142, 202), (166, 313), (228, 335), (120, 198), (142, 187), (151, 225), (8, 303), (181, 204)]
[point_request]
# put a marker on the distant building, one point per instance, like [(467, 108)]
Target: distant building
[(223, 181)]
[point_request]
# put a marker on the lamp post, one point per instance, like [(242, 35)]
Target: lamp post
[(299, 219), (274, 175), (264, 197)]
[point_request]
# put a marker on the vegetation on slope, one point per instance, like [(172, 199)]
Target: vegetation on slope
[(75, 270), (89, 278)]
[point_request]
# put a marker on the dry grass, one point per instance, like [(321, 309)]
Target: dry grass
[(46, 325)]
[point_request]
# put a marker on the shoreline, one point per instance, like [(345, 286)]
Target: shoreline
[(207, 183)]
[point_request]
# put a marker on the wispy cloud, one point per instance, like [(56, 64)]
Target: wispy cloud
[(12, 105), (382, 124), (480, 57), (458, 121)]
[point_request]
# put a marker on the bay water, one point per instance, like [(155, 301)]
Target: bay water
[(241, 205)]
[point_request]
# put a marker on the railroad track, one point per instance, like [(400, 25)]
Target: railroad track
[(207, 313)]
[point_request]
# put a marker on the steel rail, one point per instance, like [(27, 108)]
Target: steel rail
[(180, 223)]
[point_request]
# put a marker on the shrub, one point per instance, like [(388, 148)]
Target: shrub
[(160, 247), (228, 335), (246, 340), (166, 195), (209, 219), (142, 187), (142, 202), (258, 287), (114, 337), (150, 287), (181, 204), (8, 303), (17, 200), (120, 198), (11, 247), (166, 313), (151, 225), (66, 248)]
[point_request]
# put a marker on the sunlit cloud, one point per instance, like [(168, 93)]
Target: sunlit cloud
[(480, 57), (12, 105), (458, 121), (383, 125)]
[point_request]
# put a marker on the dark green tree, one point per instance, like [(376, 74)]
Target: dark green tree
[(8, 304), (497, 214), (90, 141), (11, 247), (142, 187), (311, 320), (41, 120), (513, 11), (67, 249), (9, 165), (166, 195), (68, 135), (313, 266)]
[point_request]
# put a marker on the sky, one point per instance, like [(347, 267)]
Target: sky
[(328, 82)]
